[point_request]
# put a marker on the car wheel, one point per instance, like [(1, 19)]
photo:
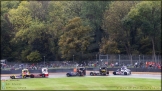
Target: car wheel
[(82, 74), (43, 75), (114, 73), (12, 77), (108, 73), (32, 76), (125, 73), (67, 75), (91, 74), (24, 76)]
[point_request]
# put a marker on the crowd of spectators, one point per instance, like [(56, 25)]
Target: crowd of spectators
[(66, 64)]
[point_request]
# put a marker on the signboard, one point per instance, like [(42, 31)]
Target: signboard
[(3, 61)]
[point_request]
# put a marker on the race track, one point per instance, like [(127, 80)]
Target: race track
[(133, 75)]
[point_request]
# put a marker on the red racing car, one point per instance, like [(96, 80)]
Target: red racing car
[(44, 73)]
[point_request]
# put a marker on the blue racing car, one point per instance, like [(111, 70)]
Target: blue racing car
[(81, 71)]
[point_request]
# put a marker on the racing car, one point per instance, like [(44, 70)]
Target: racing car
[(123, 71), (80, 71), (43, 73), (25, 73), (103, 71)]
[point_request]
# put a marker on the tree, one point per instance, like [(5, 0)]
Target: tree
[(75, 39), (113, 26), (109, 47), (56, 20), (148, 15), (92, 13), (6, 29), (34, 56)]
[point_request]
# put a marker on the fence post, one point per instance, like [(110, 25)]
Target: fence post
[(143, 58), (96, 57), (139, 58), (131, 60), (99, 57), (158, 58), (107, 59), (119, 58)]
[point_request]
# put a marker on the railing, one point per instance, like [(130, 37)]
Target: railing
[(100, 60)]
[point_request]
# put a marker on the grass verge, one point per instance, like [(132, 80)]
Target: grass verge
[(82, 83)]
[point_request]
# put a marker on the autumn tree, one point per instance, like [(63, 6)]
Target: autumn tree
[(7, 32), (147, 15), (113, 27), (75, 39)]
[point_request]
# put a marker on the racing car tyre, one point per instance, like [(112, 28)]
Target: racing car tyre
[(91, 74), (95, 74), (67, 75), (24, 76), (82, 74), (125, 73), (12, 77), (114, 73), (31, 76), (43, 75)]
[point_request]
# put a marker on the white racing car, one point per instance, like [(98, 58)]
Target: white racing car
[(123, 71)]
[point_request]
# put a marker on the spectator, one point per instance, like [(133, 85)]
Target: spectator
[(13, 68), (147, 64), (150, 64), (112, 65), (141, 64), (136, 64), (116, 64)]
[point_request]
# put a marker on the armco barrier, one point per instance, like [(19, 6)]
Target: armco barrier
[(132, 69), (35, 71), (88, 69)]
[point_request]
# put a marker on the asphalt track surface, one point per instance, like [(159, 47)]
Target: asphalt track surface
[(149, 75)]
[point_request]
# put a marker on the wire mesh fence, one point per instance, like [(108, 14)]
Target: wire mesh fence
[(99, 60), (129, 59)]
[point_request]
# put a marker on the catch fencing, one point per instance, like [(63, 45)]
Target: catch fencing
[(99, 60), (125, 59)]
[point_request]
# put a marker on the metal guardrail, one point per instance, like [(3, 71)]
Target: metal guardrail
[(88, 69)]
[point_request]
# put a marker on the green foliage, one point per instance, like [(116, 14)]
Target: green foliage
[(93, 11), (147, 15), (34, 56), (20, 17), (6, 28), (109, 47), (114, 28), (131, 27), (7, 5), (25, 53), (75, 38)]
